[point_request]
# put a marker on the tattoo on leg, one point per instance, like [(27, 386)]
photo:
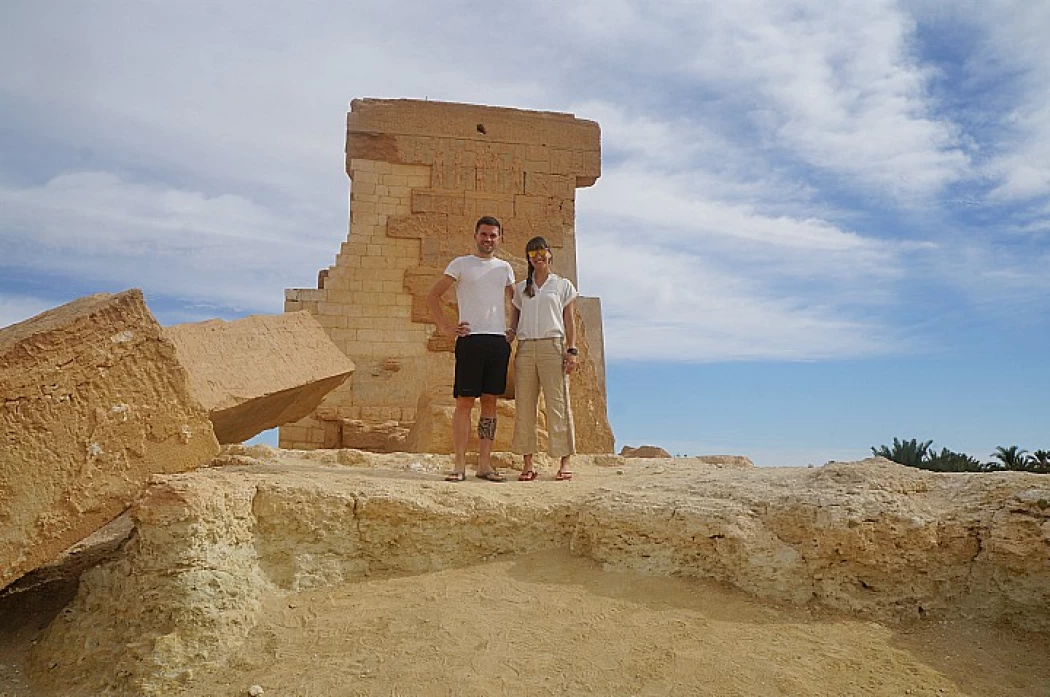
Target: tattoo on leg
[(487, 428)]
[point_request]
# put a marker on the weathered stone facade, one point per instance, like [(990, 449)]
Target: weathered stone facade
[(422, 174)]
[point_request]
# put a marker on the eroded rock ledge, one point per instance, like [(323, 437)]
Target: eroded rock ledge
[(869, 537)]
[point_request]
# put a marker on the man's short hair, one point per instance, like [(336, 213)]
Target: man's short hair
[(487, 220)]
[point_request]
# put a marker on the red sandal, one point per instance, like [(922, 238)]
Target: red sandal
[(563, 476), (529, 476)]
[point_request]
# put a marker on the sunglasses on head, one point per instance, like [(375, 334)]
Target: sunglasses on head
[(537, 253)]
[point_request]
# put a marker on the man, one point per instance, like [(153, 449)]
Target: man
[(483, 285)]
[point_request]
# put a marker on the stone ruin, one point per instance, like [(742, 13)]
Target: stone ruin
[(422, 174)]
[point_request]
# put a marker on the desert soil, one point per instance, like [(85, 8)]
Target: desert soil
[(553, 624)]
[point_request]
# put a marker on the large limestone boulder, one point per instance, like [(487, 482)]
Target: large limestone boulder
[(95, 401), (259, 372)]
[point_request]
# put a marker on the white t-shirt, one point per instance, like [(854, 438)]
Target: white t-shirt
[(480, 285), (541, 315)]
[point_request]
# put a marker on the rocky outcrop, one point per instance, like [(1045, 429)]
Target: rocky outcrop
[(643, 451), (871, 537), (260, 372), (737, 461), (94, 402)]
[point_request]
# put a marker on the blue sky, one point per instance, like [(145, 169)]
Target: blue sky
[(820, 225)]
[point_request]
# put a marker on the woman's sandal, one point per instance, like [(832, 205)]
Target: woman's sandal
[(492, 476), (456, 477), (529, 476), (563, 476)]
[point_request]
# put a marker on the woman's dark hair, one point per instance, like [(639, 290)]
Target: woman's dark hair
[(533, 245)]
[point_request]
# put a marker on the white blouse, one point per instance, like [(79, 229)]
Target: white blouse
[(541, 315)]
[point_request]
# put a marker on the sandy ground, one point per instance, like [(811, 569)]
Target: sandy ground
[(552, 624)]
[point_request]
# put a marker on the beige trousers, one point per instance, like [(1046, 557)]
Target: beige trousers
[(539, 365)]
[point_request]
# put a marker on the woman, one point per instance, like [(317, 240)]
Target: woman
[(542, 320)]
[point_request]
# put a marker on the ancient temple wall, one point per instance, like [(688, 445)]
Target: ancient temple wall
[(422, 173)]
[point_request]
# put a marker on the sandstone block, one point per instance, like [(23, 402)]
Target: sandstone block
[(94, 402), (382, 437), (257, 373)]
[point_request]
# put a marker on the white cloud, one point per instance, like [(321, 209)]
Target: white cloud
[(673, 206), (225, 250), (1023, 171), (835, 86), (682, 305), (1008, 53), (705, 255)]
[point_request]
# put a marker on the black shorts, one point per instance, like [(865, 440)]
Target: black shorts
[(481, 365)]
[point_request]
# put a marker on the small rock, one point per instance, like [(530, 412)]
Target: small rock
[(255, 690), (619, 471)]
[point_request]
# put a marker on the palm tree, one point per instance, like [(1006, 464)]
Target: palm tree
[(1012, 458), (948, 461), (1040, 461), (905, 452)]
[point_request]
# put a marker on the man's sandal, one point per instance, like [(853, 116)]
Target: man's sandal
[(563, 476), (492, 476), (456, 477), (529, 476)]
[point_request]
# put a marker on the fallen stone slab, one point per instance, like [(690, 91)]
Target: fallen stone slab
[(260, 372), (93, 401)]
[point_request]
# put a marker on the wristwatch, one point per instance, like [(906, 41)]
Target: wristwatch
[(572, 351)]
